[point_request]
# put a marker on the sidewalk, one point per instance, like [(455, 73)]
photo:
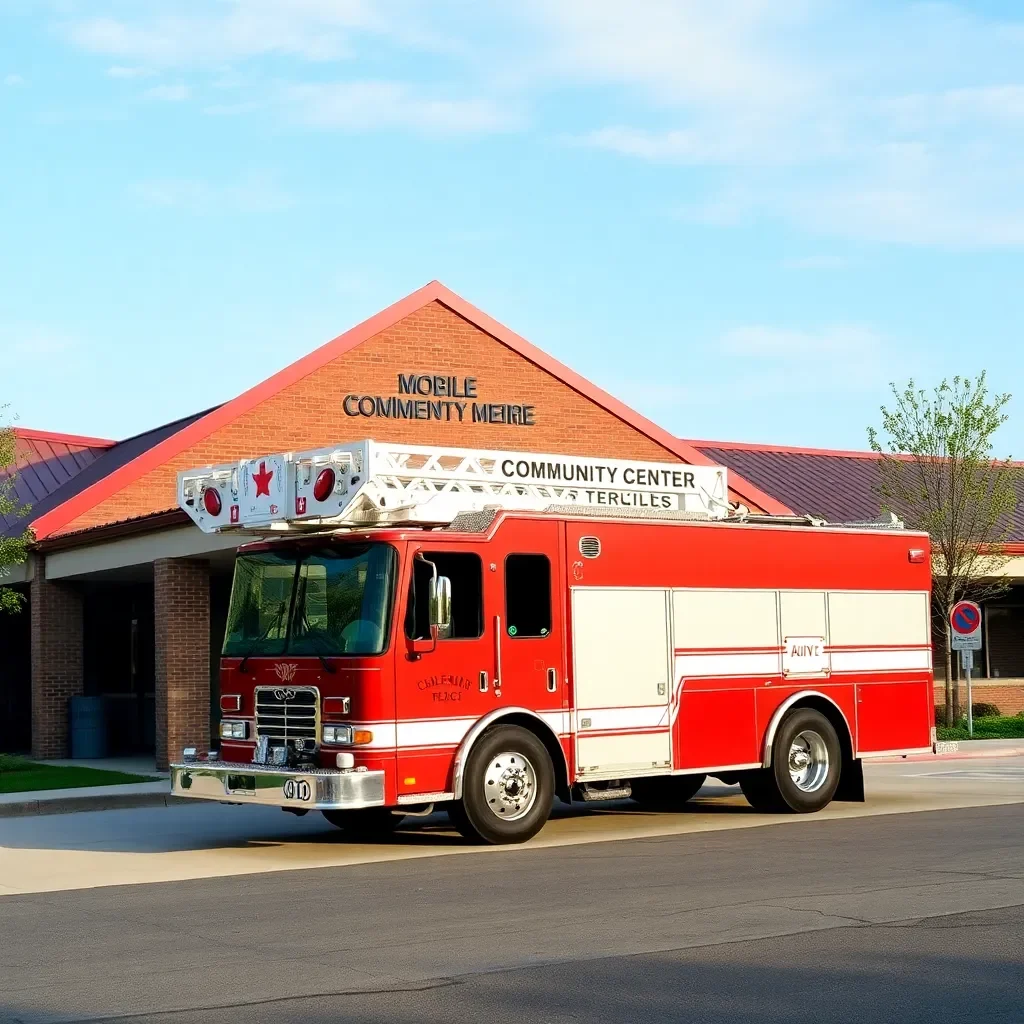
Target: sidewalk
[(948, 750), (157, 794), (93, 798)]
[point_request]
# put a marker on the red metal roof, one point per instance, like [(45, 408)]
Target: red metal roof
[(53, 520), (841, 486), (52, 468), (44, 462)]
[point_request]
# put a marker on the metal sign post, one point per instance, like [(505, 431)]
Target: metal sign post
[(967, 663), (965, 631)]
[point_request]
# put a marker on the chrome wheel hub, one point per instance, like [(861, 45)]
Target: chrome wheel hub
[(808, 761), (510, 786)]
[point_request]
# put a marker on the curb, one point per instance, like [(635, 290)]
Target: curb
[(949, 750), (92, 802)]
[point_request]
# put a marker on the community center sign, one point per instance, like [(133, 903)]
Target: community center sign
[(431, 396)]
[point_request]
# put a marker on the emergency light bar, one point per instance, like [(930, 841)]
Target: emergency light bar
[(374, 482)]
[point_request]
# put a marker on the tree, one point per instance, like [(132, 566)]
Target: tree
[(938, 474), (13, 550)]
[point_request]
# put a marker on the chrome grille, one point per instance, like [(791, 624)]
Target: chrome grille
[(288, 715)]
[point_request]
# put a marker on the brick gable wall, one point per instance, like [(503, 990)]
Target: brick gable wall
[(309, 413)]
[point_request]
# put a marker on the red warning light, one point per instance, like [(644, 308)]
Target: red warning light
[(211, 501), (324, 484)]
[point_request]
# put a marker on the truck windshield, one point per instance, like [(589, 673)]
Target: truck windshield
[(324, 601)]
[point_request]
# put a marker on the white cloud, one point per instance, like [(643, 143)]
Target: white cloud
[(254, 194), (14, 80), (169, 93), (677, 52), (767, 359), (368, 106), (824, 132), (185, 32), (120, 71)]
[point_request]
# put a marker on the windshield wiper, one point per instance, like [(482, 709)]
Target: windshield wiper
[(263, 636), (316, 638)]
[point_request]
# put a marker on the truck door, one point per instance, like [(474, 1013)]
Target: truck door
[(621, 681), (442, 690), (524, 587)]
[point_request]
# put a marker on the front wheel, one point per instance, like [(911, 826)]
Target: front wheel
[(366, 822), (804, 773), (508, 787)]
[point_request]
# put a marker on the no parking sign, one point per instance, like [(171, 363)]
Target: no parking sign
[(965, 626)]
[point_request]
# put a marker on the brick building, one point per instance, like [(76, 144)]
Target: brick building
[(128, 600)]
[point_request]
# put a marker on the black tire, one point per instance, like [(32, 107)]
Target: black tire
[(366, 822), (808, 787), (666, 792), (506, 763)]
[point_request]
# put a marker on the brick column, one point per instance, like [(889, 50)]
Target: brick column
[(56, 628), (181, 606)]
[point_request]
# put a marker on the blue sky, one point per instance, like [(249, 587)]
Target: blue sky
[(743, 218)]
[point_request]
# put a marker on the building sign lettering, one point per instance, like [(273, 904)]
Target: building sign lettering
[(438, 397)]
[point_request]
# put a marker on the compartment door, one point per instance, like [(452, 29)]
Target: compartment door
[(621, 681)]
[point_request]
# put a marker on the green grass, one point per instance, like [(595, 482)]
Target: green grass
[(996, 727), (21, 775)]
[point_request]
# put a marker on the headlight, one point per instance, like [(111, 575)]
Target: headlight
[(231, 730), (338, 734)]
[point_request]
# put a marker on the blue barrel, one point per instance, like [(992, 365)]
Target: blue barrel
[(88, 727)]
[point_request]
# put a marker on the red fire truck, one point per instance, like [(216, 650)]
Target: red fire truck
[(482, 631)]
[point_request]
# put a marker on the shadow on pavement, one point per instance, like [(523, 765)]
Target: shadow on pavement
[(202, 826)]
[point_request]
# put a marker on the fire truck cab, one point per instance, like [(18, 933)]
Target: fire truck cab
[(484, 631)]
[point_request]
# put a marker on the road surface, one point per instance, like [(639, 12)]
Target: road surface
[(908, 908)]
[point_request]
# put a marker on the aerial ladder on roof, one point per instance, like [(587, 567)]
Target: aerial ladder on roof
[(382, 483)]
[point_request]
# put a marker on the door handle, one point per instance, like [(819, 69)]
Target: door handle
[(497, 652), (483, 682), (552, 680)]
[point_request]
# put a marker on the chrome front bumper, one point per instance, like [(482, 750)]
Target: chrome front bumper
[(315, 789)]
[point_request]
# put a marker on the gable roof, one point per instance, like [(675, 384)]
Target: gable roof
[(53, 520), (91, 458), (44, 462), (841, 486)]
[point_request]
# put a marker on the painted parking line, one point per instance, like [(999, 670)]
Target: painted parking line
[(1007, 773)]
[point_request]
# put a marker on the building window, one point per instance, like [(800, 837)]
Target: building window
[(527, 595)]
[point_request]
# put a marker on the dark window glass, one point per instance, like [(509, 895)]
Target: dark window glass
[(528, 595), (331, 601), (466, 573)]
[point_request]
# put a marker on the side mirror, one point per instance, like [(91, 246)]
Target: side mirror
[(441, 606)]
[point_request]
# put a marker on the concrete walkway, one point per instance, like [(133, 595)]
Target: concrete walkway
[(92, 798), (155, 794)]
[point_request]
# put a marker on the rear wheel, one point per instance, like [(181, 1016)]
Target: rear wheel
[(666, 792), (507, 789), (366, 822), (804, 773)]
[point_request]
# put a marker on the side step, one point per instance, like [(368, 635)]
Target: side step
[(592, 791)]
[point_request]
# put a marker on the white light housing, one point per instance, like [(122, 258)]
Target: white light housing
[(233, 730), (338, 734), (345, 761)]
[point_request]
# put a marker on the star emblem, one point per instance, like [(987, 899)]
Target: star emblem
[(262, 480)]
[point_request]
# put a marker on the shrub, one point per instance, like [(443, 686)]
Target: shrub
[(999, 727), (14, 763), (979, 710), (982, 710)]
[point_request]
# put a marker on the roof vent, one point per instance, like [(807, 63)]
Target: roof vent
[(590, 547)]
